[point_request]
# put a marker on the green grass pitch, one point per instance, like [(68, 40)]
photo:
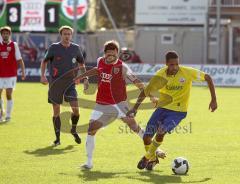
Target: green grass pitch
[(210, 142)]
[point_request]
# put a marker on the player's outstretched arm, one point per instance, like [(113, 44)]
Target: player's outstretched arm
[(89, 73), (140, 99), (213, 103), (43, 79), (21, 63), (138, 83), (82, 70)]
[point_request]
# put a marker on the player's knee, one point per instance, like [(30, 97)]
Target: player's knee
[(56, 113), (92, 131), (147, 139), (9, 96), (76, 113), (94, 126), (159, 137)]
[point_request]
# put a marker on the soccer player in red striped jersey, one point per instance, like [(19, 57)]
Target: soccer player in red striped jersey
[(111, 96), (10, 57)]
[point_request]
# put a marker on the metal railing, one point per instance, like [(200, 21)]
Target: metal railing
[(226, 3)]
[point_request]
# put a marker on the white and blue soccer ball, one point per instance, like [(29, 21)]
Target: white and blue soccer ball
[(180, 166)]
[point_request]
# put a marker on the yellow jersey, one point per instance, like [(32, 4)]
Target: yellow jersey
[(174, 89)]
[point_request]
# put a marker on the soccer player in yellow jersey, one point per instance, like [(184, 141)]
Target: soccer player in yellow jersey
[(174, 84)]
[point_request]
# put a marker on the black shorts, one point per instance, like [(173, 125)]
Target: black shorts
[(62, 89)]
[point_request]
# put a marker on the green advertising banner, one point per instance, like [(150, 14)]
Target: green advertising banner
[(42, 15)]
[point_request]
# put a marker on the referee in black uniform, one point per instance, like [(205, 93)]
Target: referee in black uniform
[(66, 60)]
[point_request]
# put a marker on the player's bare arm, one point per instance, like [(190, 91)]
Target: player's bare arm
[(213, 103), (43, 79), (21, 63), (89, 73), (140, 99), (82, 69), (140, 85)]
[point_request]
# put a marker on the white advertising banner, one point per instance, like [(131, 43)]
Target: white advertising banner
[(32, 15), (188, 12), (223, 75)]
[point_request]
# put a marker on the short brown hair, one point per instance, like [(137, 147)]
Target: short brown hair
[(65, 27), (111, 45), (6, 28), (171, 55)]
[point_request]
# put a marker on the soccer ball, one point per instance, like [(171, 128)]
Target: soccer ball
[(180, 166)]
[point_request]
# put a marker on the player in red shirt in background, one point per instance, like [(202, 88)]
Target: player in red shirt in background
[(111, 96), (10, 56)]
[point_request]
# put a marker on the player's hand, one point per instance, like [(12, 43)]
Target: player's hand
[(131, 113), (213, 105), (44, 80), (77, 81), (23, 76), (154, 100), (85, 84)]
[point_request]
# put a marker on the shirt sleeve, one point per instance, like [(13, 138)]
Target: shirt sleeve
[(156, 83), (128, 73), (49, 54), (81, 55), (17, 52), (197, 75)]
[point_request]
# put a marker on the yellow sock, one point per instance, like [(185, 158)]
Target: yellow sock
[(152, 149), (147, 147)]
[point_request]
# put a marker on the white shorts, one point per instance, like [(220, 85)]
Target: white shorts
[(8, 82), (107, 113)]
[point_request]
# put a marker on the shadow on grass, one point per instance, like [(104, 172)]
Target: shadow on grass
[(4, 122), (155, 177), (141, 176), (199, 181), (88, 175), (50, 150)]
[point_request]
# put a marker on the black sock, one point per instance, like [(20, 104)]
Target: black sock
[(57, 127), (74, 119)]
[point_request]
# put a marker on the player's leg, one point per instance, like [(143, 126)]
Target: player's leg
[(74, 119), (101, 115), (9, 107), (153, 152), (94, 126), (151, 129), (55, 97), (1, 105), (122, 109), (132, 124), (10, 83), (70, 96), (170, 120), (56, 123)]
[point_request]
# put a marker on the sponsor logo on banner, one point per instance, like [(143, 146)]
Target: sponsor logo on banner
[(222, 75), (68, 8), (32, 15), (171, 12)]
